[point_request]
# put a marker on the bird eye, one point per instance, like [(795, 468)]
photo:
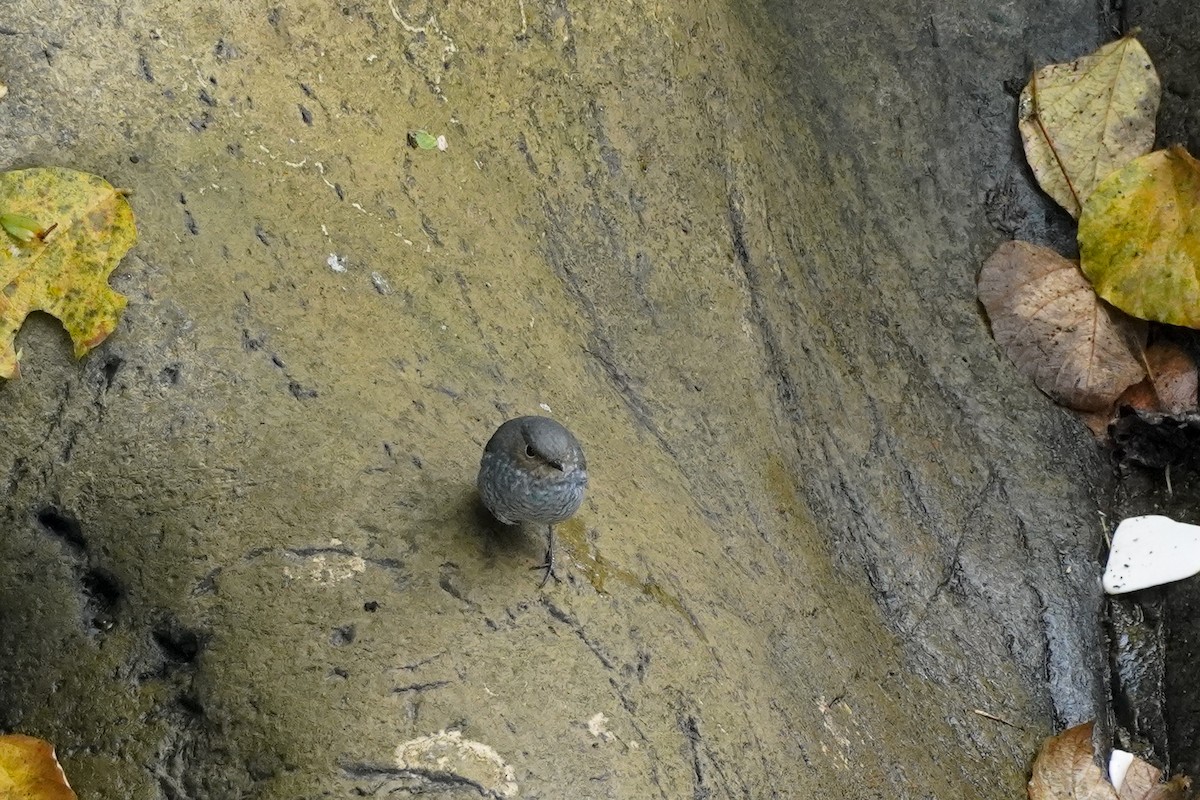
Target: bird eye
[(529, 450)]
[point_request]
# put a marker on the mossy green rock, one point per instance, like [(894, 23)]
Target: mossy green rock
[(732, 247)]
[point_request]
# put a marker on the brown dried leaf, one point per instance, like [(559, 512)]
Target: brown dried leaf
[(1078, 349), (1065, 769), (1170, 388), (1143, 781), (1174, 375), (1141, 396)]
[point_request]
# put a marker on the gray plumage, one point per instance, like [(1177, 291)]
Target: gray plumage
[(533, 470)]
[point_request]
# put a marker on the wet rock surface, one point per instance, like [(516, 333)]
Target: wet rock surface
[(733, 247)]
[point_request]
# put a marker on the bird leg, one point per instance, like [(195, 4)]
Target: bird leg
[(549, 565)]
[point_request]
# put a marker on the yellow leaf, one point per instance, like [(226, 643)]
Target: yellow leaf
[(1083, 120), (1078, 349), (1139, 238), (87, 226), (29, 770)]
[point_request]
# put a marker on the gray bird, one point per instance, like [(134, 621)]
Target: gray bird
[(533, 470)]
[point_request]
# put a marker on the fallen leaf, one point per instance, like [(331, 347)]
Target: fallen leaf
[(1083, 120), (1141, 396), (66, 272), (1173, 373), (30, 771), (1065, 769), (1139, 238), (1047, 319), (1143, 781), (1170, 388), (1175, 789)]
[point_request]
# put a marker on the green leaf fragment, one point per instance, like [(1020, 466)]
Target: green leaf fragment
[(21, 227), (422, 139)]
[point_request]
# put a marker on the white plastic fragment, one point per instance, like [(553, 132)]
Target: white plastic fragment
[(1150, 551), (1118, 765), (336, 263)]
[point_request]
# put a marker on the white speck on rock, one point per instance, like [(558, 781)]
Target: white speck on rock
[(335, 568), (336, 263), (448, 756), (380, 283), (598, 726)]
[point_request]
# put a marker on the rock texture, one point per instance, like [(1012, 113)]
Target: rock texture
[(733, 246)]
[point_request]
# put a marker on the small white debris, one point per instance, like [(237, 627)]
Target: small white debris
[(598, 726), (336, 263), (1118, 765), (446, 757), (380, 283), (441, 142), (334, 568), (545, 408), (1150, 551)]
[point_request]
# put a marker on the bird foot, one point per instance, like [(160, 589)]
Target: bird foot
[(549, 573), (549, 569)]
